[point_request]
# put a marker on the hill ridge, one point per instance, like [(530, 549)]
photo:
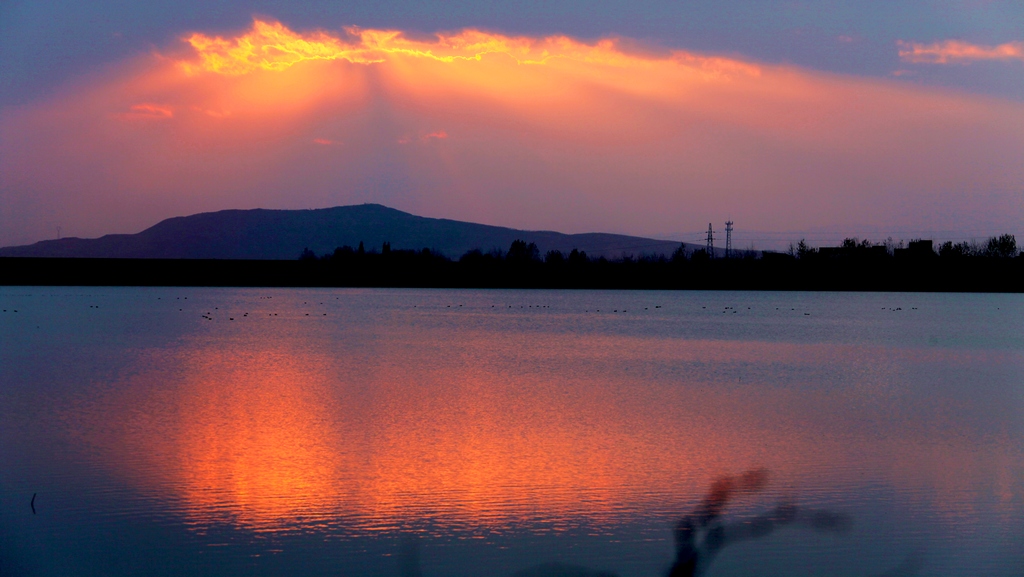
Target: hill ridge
[(282, 234)]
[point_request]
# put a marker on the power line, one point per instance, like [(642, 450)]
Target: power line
[(814, 234), (837, 237)]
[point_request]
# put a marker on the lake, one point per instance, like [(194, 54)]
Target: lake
[(172, 431)]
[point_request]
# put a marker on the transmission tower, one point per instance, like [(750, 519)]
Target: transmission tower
[(728, 239), (711, 242)]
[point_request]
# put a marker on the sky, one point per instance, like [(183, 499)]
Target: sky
[(814, 120)]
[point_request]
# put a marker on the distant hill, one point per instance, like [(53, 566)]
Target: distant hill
[(262, 234)]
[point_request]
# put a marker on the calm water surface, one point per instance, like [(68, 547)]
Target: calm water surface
[(451, 433)]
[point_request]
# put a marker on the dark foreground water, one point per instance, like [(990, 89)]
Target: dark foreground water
[(450, 433)]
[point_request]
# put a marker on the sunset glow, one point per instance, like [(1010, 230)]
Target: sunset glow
[(545, 132)]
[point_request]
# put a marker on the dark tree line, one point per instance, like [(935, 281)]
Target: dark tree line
[(993, 266), (853, 265), (997, 247)]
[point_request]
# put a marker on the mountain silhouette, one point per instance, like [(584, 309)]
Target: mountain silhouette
[(262, 234)]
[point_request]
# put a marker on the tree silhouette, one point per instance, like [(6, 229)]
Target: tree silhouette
[(578, 257), (1004, 246), (803, 250), (679, 255), (554, 257), (521, 252)]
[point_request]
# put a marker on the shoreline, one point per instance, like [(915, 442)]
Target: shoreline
[(426, 270)]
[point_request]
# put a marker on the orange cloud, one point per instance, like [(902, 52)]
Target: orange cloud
[(323, 141), (272, 46), (956, 51), (147, 111)]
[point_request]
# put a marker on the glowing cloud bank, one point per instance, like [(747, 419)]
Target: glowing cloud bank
[(272, 46), (549, 132), (955, 51)]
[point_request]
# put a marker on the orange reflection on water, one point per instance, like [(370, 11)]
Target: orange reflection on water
[(490, 430), (251, 442), (264, 440)]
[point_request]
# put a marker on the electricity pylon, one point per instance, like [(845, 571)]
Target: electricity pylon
[(728, 239)]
